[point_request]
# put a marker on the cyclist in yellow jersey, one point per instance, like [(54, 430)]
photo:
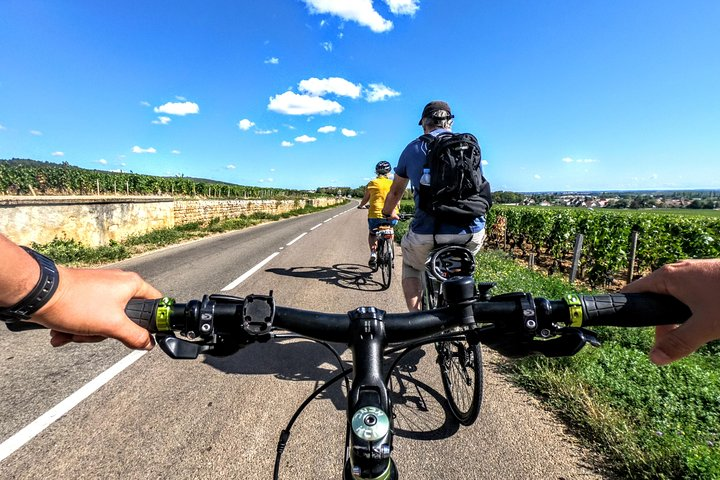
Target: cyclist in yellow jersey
[(375, 193)]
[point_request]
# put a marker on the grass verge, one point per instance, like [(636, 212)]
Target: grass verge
[(75, 254), (649, 422)]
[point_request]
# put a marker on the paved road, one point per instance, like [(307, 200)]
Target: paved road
[(221, 417)]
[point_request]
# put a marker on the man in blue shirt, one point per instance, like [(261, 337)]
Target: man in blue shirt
[(425, 230)]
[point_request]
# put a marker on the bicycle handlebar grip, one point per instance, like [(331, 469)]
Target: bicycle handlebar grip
[(633, 310), (143, 313)]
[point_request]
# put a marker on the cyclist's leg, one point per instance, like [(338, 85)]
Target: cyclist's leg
[(373, 240), (415, 249)]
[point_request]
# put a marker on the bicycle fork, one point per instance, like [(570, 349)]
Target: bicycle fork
[(369, 412)]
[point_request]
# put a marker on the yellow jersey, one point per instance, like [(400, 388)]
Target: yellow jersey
[(378, 189)]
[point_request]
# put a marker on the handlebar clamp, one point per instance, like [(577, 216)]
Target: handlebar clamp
[(258, 313)]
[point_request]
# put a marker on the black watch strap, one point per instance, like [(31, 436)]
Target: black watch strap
[(39, 295)]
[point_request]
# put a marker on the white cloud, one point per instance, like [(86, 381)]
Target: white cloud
[(37, 133), (327, 129), (338, 86), (285, 143), (377, 92), (360, 11), (245, 124), (230, 167), (272, 60), (327, 46), (137, 149), (175, 152), (266, 132), (161, 121), (403, 7), (144, 103), (349, 133), (537, 177), (178, 108), (305, 139), (579, 160), (2, 127), (484, 162), (102, 161), (181, 98), (291, 103), (58, 154)]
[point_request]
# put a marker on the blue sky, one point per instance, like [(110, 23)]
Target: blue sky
[(563, 95)]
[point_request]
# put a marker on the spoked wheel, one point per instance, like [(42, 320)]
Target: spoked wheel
[(385, 263), (461, 370)]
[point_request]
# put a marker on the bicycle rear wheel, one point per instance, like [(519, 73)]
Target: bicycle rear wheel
[(461, 371), (385, 262)]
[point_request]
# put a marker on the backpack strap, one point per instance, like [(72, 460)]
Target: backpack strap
[(428, 139)]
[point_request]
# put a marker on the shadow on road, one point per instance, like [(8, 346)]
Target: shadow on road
[(344, 275), (420, 411)]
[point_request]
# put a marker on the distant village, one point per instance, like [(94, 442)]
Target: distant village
[(706, 199)]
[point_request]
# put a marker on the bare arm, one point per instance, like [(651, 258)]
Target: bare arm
[(695, 283), (88, 305), (365, 198), (392, 200)]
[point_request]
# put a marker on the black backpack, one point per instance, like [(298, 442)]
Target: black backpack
[(458, 191)]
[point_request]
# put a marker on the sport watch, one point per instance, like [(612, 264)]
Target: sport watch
[(39, 295)]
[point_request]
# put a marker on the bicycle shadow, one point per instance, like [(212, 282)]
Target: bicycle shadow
[(343, 275), (420, 411), (295, 360)]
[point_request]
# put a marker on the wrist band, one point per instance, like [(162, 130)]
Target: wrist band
[(39, 295)]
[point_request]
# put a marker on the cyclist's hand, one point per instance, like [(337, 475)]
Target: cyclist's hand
[(695, 283), (89, 306)]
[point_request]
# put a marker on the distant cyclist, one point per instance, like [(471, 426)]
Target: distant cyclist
[(375, 193)]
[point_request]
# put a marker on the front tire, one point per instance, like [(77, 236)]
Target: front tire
[(462, 377)]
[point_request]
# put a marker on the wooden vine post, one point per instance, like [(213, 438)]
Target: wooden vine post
[(576, 257)]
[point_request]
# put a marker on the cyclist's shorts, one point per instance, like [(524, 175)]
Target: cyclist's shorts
[(374, 223), (416, 248)]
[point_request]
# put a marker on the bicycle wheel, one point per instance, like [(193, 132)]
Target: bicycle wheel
[(385, 262), (461, 370)]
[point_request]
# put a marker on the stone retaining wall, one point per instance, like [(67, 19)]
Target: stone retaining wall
[(96, 221)]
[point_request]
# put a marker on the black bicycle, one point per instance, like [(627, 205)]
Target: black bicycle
[(460, 358), (514, 324), (385, 250)]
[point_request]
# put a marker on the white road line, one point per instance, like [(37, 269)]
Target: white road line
[(316, 226), (327, 220), (55, 413), (296, 239), (245, 275)]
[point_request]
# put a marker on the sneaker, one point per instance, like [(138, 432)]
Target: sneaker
[(372, 263)]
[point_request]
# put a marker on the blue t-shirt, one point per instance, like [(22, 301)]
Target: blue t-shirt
[(410, 165)]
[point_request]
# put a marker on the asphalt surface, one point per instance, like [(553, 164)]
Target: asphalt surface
[(221, 417)]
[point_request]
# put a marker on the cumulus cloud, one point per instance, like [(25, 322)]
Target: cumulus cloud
[(403, 7), (230, 167), (272, 60), (377, 92), (305, 139), (360, 11), (537, 177), (285, 143), (336, 85), (102, 161), (349, 133), (291, 103), (178, 108), (175, 152), (327, 129), (245, 124), (36, 133), (327, 46), (161, 121), (484, 162), (57, 154), (137, 149)]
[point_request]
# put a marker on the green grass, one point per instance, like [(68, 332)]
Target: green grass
[(649, 422), (72, 253)]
